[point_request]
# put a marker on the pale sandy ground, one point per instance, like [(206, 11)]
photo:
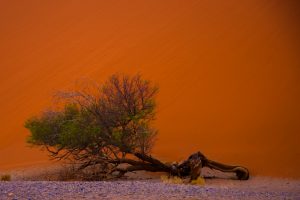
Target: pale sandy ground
[(28, 183)]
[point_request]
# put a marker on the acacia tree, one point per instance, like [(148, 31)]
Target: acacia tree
[(109, 126)]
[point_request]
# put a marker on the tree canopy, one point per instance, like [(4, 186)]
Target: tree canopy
[(110, 125), (101, 126)]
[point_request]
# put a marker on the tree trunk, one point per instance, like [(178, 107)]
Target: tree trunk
[(188, 168)]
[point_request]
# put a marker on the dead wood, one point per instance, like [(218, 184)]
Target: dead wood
[(188, 168)]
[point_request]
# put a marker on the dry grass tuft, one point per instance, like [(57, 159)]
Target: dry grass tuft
[(5, 177), (172, 180), (198, 181), (177, 180)]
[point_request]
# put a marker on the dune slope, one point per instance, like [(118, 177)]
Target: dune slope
[(228, 71)]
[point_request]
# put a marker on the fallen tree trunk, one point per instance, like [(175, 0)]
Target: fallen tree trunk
[(188, 168), (242, 173)]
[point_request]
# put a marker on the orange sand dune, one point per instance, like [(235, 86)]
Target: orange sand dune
[(229, 72)]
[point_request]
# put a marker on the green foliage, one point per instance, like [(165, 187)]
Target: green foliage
[(117, 135), (114, 119), (43, 130), (67, 128)]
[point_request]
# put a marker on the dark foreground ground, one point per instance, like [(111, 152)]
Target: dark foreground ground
[(255, 188)]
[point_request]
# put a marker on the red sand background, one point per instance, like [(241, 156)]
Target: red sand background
[(229, 72)]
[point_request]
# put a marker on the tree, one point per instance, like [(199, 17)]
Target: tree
[(110, 126)]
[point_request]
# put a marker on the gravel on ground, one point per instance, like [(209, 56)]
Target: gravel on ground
[(255, 188)]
